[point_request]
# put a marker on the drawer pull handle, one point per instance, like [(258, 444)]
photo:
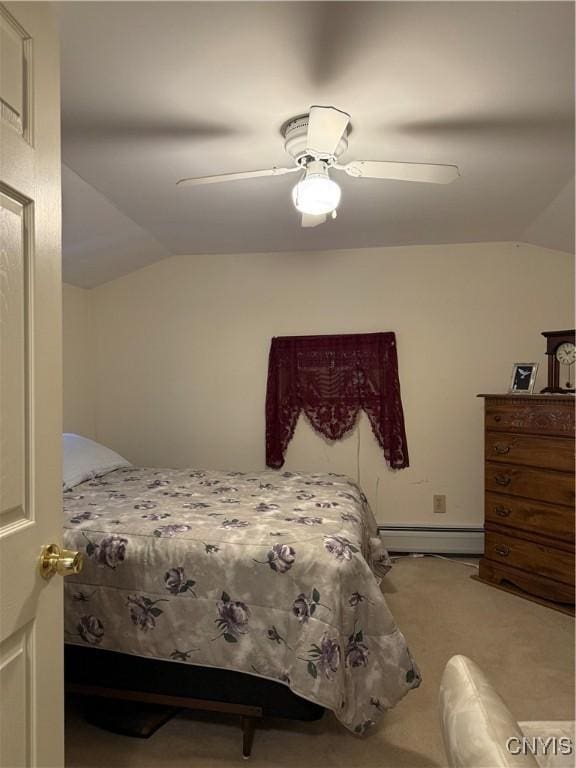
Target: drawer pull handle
[(497, 418), (501, 550), (503, 480), (502, 511), (501, 448)]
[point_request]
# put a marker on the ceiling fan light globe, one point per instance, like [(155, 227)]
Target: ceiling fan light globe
[(316, 195)]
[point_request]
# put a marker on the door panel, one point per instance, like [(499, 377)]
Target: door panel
[(14, 344), (15, 50), (15, 673), (31, 625)]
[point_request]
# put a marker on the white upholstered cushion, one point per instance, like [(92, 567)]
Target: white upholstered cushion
[(476, 723)]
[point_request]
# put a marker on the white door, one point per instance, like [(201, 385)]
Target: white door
[(31, 625)]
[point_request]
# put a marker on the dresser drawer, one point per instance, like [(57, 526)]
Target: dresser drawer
[(531, 416), (551, 592), (532, 483), (529, 556), (528, 515), (532, 450)]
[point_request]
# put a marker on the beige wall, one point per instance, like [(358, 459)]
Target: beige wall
[(79, 390), (181, 349)]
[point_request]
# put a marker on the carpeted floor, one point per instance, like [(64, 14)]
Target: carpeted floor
[(526, 649)]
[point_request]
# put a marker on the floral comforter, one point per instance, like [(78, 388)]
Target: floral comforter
[(265, 573)]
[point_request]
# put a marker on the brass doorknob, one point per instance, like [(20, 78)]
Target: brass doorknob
[(53, 560)]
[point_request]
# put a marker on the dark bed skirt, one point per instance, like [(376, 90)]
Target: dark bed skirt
[(108, 669)]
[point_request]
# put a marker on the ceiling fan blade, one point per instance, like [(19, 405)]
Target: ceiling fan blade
[(199, 180), (382, 169), (310, 220), (326, 126)]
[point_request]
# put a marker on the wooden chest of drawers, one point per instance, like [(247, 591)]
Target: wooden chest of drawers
[(529, 497)]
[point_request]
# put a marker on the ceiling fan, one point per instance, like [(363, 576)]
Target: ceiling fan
[(315, 142)]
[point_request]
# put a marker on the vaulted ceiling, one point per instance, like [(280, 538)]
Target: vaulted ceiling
[(153, 91)]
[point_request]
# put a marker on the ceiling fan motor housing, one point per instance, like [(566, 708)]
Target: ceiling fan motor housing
[(295, 133)]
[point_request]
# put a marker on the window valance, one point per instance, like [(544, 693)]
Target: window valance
[(331, 378)]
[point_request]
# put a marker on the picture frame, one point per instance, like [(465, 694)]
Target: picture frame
[(523, 378)]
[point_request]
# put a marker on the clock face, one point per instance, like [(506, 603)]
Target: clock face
[(566, 353)]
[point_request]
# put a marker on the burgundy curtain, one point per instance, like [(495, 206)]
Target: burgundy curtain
[(331, 378)]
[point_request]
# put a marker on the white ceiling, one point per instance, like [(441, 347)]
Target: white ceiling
[(100, 242), (153, 91)]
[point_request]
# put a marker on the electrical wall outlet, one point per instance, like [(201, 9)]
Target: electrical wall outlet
[(439, 504)]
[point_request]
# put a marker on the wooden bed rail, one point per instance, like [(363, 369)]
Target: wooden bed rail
[(248, 715)]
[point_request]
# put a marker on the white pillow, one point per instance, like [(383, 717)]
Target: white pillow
[(84, 459)]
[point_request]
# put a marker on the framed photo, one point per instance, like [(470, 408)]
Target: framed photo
[(523, 378)]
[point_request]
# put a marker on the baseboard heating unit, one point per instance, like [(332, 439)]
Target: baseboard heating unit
[(433, 539)]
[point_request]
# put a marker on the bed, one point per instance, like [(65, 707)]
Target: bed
[(273, 575)]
